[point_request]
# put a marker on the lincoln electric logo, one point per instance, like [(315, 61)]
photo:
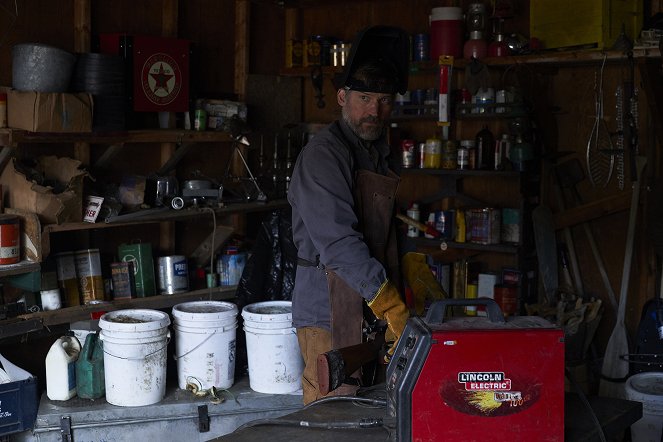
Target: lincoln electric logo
[(161, 79), (484, 381)]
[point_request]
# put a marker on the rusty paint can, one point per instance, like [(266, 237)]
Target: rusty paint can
[(66, 269), (88, 270), (10, 239)]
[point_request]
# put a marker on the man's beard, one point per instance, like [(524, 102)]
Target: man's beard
[(370, 133)]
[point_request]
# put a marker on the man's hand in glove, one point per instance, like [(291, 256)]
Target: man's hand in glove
[(389, 305)]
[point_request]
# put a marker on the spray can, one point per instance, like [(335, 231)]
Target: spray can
[(413, 212)]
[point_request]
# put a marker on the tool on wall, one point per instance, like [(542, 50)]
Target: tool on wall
[(600, 157), (615, 368)]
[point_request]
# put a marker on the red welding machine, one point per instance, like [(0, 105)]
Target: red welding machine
[(477, 378)]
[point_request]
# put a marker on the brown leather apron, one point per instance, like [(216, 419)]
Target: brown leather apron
[(375, 196)]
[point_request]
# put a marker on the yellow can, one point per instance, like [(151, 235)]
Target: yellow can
[(433, 153)]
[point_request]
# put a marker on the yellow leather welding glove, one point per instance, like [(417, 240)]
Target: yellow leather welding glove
[(421, 280), (389, 305)]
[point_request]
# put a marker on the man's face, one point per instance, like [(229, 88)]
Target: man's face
[(365, 112)]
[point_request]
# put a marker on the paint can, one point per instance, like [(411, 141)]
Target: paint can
[(88, 270), (10, 239), (173, 274), (66, 269)]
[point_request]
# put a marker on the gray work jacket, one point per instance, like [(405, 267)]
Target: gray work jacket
[(325, 224)]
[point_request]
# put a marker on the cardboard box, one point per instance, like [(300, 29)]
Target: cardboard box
[(592, 23), (52, 208), (49, 112)]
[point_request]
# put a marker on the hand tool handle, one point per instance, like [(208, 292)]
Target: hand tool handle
[(418, 225), (437, 309)]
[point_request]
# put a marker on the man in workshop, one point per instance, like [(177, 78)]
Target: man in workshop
[(342, 195)]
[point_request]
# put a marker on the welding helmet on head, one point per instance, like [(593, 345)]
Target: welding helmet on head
[(378, 61)]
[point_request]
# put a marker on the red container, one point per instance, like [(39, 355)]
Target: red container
[(10, 236), (446, 32)]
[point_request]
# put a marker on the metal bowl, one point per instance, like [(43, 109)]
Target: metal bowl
[(41, 68)]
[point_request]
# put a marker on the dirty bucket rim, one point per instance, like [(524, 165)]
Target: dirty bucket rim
[(646, 384), (249, 312), (153, 320), (218, 310)]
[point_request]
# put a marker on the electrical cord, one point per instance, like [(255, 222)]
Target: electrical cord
[(362, 423), (585, 402)]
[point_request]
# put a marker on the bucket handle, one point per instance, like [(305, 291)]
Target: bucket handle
[(175, 357), (143, 357)]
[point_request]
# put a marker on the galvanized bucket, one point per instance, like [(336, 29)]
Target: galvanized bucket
[(41, 68)]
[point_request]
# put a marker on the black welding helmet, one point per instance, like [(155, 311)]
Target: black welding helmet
[(385, 48)]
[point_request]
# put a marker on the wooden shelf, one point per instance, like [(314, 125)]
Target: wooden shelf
[(83, 312), (11, 137), (462, 173), (166, 214), (446, 245), (550, 57), (19, 268)]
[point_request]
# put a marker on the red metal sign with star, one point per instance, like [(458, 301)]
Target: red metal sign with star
[(161, 74), (160, 70)]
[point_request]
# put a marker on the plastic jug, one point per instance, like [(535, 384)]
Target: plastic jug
[(90, 382), (61, 368)]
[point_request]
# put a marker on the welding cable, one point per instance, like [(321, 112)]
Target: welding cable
[(364, 400), (363, 423), (585, 402)]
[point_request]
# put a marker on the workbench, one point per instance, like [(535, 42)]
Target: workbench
[(615, 415)]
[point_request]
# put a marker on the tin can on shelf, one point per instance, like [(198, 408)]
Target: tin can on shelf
[(433, 153), (67, 280), (407, 149), (421, 155), (88, 270), (449, 159), (506, 296), (140, 254), (10, 239), (484, 225), (173, 274)]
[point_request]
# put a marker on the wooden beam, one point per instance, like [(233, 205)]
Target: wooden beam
[(242, 45), (82, 25), (595, 209), (169, 18)]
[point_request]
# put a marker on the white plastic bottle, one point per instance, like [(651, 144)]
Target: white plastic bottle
[(61, 368), (413, 212)]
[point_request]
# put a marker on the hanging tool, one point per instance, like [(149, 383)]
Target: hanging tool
[(619, 97), (599, 155), (615, 369), (546, 251)]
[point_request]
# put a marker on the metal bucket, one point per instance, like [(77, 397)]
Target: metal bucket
[(41, 68)]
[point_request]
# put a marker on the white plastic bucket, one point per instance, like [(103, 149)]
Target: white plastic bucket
[(647, 388), (135, 346), (205, 333), (275, 362)]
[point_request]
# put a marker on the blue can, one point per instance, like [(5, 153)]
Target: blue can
[(420, 47), (444, 223)]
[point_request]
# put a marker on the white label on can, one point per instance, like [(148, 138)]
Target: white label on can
[(66, 267), (9, 252)]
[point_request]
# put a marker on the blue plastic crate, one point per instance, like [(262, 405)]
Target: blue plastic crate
[(19, 402)]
